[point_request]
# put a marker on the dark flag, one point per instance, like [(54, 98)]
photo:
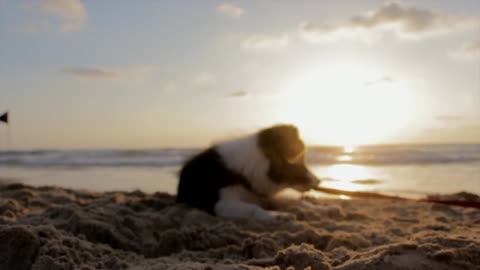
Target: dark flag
[(4, 117)]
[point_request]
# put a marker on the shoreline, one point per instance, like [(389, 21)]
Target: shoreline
[(58, 228)]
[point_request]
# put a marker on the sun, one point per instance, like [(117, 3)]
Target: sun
[(346, 104)]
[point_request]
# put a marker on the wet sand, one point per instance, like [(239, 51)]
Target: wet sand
[(58, 228)]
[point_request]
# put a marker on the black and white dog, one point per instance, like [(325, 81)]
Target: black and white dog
[(232, 179)]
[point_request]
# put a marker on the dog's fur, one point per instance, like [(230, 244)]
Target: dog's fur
[(234, 178)]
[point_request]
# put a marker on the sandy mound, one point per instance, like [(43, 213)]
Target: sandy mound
[(55, 228)]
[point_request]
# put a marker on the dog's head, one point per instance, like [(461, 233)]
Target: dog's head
[(285, 150)]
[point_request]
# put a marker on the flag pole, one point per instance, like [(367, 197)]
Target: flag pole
[(4, 118), (9, 137)]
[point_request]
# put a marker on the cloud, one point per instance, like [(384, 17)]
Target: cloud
[(204, 78), (230, 10), (263, 42), (92, 73), (106, 73), (323, 33), (394, 17), (72, 9), (468, 51), (449, 118), (71, 13), (45, 15), (238, 94), (384, 79)]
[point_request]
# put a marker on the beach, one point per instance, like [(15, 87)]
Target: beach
[(110, 109), (59, 228)]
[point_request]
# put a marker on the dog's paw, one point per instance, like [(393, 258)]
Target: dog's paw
[(308, 206), (283, 216), (328, 210), (264, 215)]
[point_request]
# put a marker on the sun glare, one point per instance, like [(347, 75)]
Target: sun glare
[(346, 104), (348, 149)]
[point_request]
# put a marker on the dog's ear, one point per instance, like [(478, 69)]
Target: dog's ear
[(273, 140), (281, 143), (269, 149)]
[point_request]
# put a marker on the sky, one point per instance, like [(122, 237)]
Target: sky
[(147, 74)]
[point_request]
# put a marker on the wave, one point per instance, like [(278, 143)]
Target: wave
[(396, 154), (96, 158), (368, 155)]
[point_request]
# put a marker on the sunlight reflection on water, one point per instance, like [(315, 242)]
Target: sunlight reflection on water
[(408, 180), (342, 176)]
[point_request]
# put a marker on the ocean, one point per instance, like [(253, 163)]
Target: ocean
[(412, 170)]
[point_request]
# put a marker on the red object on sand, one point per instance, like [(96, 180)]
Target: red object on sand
[(374, 195), (469, 204)]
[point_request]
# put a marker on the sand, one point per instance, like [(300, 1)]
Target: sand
[(55, 228)]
